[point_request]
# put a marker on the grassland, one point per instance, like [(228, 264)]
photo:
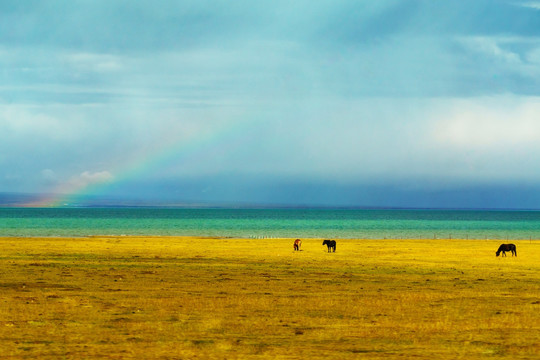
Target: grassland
[(189, 298)]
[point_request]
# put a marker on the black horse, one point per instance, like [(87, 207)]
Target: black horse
[(331, 245), (506, 247)]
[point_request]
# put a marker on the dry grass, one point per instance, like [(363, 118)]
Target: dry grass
[(184, 298)]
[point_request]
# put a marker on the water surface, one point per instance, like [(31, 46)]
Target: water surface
[(254, 223)]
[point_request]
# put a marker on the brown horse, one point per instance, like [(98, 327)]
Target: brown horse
[(297, 244), (506, 247)]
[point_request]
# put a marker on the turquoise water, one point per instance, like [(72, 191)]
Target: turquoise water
[(373, 224)]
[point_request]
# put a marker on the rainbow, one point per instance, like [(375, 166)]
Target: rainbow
[(224, 138)]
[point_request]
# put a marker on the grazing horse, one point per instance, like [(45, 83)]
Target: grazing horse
[(331, 245), (297, 244), (506, 247)]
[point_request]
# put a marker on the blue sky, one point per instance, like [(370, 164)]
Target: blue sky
[(338, 103)]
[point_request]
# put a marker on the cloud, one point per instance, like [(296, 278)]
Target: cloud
[(49, 176), (332, 91), (93, 62), (36, 137), (489, 139), (530, 4), (86, 179), (491, 47), (496, 124)]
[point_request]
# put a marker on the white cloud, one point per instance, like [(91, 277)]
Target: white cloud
[(86, 179), (23, 122), (533, 56), (530, 4), (49, 176), (499, 59), (490, 123), (93, 62), (491, 46)]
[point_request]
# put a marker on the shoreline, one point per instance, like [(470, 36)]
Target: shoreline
[(188, 237)]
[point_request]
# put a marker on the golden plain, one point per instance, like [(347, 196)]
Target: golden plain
[(219, 298)]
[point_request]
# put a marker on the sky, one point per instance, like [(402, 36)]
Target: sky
[(387, 103)]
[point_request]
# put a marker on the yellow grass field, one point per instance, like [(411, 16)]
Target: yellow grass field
[(193, 298)]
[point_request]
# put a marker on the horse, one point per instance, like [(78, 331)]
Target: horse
[(297, 244), (506, 247), (331, 245)]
